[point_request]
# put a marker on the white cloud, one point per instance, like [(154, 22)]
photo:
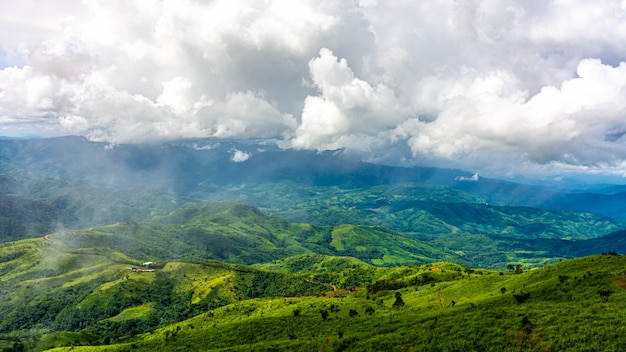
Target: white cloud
[(473, 178), (240, 156), (346, 105), (578, 123), (483, 84)]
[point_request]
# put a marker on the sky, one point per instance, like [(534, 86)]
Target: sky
[(506, 87)]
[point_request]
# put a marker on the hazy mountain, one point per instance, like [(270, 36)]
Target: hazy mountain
[(72, 183), (206, 170), (604, 200), (186, 164)]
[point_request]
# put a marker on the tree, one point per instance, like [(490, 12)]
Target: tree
[(399, 301)]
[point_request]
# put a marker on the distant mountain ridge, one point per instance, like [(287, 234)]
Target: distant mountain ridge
[(73, 183), (609, 201), (195, 168), (78, 158)]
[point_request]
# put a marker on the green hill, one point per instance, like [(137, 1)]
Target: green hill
[(77, 288), (314, 263), (498, 251), (23, 218), (239, 233), (48, 289), (575, 305)]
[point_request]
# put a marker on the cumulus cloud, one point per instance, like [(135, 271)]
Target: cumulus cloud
[(239, 156), (345, 106), (153, 71), (476, 84), (580, 122)]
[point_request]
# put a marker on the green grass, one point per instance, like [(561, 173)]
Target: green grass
[(133, 313), (564, 315), (337, 237)]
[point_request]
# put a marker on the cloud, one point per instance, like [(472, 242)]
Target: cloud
[(155, 71), (473, 178), (579, 123), (239, 156), (345, 106), (492, 86)]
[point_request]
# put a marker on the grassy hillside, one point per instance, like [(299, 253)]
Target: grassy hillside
[(239, 233), (48, 289), (573, 305)]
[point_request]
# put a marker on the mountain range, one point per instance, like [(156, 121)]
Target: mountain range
[(71, 183)]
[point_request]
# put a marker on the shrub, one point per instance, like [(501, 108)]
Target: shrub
[(399, 301), (522, 297), (605, 293)]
